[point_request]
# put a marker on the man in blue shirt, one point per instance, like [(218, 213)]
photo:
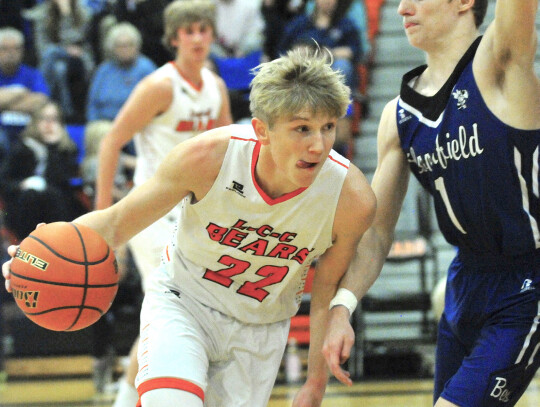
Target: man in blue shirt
[(22, 88)]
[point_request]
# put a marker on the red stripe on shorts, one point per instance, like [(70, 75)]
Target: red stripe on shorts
[(169, 383)]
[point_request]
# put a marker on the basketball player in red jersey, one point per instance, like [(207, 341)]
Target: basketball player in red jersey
[(260, 202)]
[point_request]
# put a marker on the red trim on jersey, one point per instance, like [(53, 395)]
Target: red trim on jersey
[(169, 383), (197, 88), (244, 139), (267, 199), (338, 162)]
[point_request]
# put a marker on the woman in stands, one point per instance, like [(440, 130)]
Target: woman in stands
[(38, 177)]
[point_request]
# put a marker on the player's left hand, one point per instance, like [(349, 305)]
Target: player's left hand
[(338, 343), (309, 395)]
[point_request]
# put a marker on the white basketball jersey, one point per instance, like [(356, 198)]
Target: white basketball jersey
[(192, 111), (244, 253)]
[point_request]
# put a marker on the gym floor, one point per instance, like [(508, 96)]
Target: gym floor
[(67, 381)]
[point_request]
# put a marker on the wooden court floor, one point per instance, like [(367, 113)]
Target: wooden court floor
[(66, 382)]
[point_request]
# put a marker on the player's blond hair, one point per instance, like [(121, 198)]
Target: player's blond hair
[(303, 78), (182, 13)]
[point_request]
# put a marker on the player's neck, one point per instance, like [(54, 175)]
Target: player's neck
[(443, 60), (268, 177), (190, 70)]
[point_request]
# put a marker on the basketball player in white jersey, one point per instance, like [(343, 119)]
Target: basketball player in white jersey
[(176, 102), (258, 203)]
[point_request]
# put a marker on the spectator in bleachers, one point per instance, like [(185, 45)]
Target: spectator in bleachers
[(36, 178), (277, 13), (12, 15), (101, 19), (147, 16), (329, 27), (239, 28), (237, 49), (64, 53), (116, 77), (22, 88), (356, 11)]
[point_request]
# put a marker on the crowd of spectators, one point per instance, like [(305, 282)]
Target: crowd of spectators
[(73, 56)]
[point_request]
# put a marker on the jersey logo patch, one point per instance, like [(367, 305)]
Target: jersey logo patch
[(238, 188), (461, 96), (403, 116), (527, 286)]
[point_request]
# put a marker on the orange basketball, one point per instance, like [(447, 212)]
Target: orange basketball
[(64, 276)]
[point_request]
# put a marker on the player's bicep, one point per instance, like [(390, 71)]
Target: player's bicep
[(354, 215), (514, 30), (391, 178), (150, 98)]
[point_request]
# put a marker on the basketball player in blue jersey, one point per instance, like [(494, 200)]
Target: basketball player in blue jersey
[(259, 202), (467, 124)]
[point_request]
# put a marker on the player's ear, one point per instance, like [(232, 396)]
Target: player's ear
[(261, 130), (465, 5)]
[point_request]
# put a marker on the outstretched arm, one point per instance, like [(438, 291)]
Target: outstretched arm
[(389, 184), (504, 64)]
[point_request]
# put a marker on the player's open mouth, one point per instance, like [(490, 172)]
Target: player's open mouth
[(305, 164)]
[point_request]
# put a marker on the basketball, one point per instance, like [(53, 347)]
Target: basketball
[(64, 276)]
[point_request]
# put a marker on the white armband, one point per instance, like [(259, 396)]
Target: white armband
[(346, 298)]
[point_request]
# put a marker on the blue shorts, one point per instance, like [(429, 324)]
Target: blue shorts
[(488, 338)]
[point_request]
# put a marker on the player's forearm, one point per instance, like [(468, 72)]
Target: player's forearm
[(109, 154), (367, 263), (320, 300), (102, 222)]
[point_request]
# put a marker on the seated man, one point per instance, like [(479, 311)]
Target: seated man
[(22, 88)]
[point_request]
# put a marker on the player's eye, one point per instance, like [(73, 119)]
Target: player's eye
[(329, 126)]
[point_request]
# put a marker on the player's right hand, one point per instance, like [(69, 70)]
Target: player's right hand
[(338, 343), (6, 267)]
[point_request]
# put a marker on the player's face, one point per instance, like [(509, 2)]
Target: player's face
[(193, 41), (427, 21), (297, 148)]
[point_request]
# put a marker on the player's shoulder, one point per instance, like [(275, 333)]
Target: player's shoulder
[(388, 121), (160, 79), (357, 203), (200, 156), (357, 189), (209, 146)]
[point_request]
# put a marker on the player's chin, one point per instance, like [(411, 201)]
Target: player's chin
[(306, 178)]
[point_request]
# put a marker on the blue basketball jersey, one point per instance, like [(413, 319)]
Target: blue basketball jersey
[(482, 173)]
